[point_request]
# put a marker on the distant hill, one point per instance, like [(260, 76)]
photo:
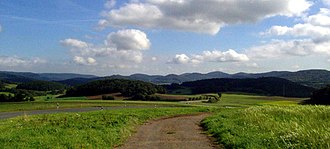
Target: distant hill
[(28, 76), (312, 78), (264, 86)]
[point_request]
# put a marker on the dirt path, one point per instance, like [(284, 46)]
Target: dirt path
[(181, 132)]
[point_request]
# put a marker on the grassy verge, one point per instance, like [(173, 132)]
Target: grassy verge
[(102, 129), (272, 127)]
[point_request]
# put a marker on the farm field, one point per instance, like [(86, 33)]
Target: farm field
[(44, 105), (232, 100)]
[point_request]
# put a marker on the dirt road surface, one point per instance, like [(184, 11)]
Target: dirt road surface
[(182, 132)]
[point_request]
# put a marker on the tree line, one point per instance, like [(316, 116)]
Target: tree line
[(127, 88), (264, 86)]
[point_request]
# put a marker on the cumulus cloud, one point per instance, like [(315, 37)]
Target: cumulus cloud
[(181, 59), (211, 56), (120, 47), (128, 40), (200, 16), (219, 56), (12, 61), (74, 43), (84, 61), (312, 37), (320, 19), (296, 47)]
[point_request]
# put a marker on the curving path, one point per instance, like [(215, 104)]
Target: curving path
[(182, 132)]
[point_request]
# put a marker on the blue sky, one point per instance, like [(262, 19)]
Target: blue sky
[(108, 37)]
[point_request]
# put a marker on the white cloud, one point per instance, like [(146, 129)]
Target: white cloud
[(84, 61), (200, 16), (0, 28), (280, 48), (181, 59), (326, 2), (74, 43), (211, 56), (109, 4), (312, 38), (318, 33), (123, 47), (128, 40), (12, 61), (219, 56), (320, 19), (154, 58)]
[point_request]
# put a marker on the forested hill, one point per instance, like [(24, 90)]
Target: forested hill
[(263, 86), (41, 86), (20, 77), (125, 87), (313, 78)]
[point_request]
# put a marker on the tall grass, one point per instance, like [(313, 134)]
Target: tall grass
[(272, 127), (102, 129)]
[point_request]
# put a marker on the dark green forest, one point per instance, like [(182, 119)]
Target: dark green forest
[(321, 96), (127, 88), (41, 86), (263, 86)]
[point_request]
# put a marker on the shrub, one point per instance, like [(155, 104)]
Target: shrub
[(106, 97)]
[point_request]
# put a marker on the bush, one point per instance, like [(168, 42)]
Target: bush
[(106, 97), (145, 97)]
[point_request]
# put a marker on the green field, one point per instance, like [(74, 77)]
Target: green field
[(102, 129), (227, 100), (52, 104), (6, 93), (241, 100), (239, 121), (272, 127), (10, 86)]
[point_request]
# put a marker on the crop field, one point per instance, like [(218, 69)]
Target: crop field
[(76, 103), (272, 127), (102, 129), (241, 100)]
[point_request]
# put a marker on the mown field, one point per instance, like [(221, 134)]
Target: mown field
[(101, 129), (227, 100), (272, 127)]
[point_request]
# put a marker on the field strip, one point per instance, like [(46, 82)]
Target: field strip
[(6, 115)]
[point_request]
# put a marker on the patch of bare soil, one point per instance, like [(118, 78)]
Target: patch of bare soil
[(182, 132)]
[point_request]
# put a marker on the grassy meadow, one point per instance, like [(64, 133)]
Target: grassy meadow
[(101, 129), (272, 127)]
